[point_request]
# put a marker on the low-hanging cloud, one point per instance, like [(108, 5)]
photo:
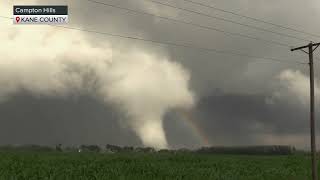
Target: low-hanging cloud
[(295, 87), (147, 88), (61, 64), (262, 100)]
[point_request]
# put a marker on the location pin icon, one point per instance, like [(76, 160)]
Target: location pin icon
[(17, 19)]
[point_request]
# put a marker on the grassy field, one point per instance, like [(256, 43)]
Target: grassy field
[(139, 166)]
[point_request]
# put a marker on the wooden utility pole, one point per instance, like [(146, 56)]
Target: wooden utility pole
[(312, 116)]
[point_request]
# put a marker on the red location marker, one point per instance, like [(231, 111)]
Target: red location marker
[(17, 19)]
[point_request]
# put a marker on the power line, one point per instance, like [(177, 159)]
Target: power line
[(251, 18), (230, 21), (183, 45), (177, 44), (194, 24)]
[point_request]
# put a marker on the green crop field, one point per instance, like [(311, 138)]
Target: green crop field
[(140, 166)]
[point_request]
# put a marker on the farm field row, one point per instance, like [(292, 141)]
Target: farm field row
[(140, 166)]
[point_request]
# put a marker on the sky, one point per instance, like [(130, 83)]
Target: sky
[(73, 87)]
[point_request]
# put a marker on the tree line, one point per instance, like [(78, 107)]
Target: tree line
[(246, 150)]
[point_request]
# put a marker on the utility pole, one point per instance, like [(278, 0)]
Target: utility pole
[(312, 120)]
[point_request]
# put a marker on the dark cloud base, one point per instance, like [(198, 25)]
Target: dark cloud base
[(225, 119), (80, 120), (239, 119)]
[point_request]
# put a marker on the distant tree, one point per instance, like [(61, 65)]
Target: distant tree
[(113, 148), (164, 151), (59, 147), (267, 150), (35, 148), (70, 149), (145, 149), (127, 149), (89, 148)]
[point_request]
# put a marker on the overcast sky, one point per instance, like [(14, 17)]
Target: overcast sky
[(74, 87)]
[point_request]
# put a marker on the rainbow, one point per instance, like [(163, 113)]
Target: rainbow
[(187, 116)]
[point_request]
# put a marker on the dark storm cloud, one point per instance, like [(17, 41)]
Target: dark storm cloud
[(231, 117), (245, 119), (26, 119), (209, 70), (225, 119)]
